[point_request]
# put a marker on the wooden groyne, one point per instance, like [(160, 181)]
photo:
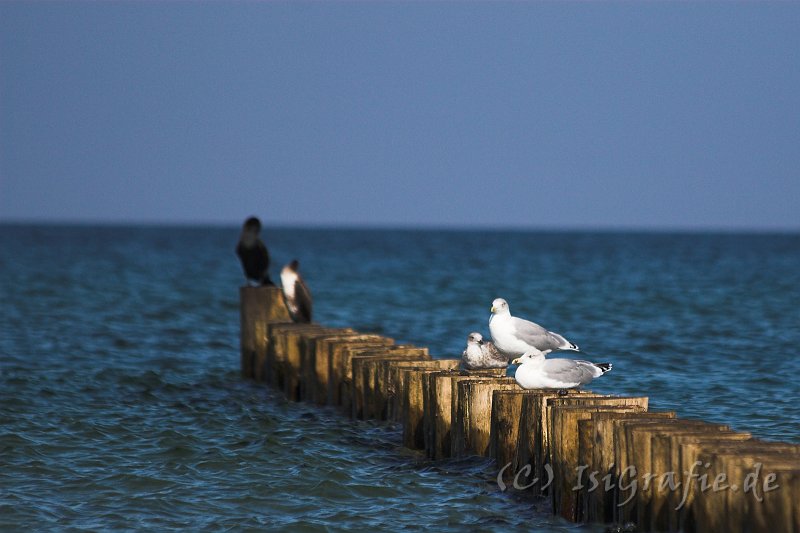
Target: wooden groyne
[(596, 458)]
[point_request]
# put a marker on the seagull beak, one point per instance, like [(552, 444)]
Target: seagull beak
[(516, 361), (492, 309)]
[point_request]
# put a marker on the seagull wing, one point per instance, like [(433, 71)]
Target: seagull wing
[(536, 335), (569, 370), (493, 353)]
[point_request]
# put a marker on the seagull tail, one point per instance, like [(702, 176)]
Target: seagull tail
[(605, 367), (569, 346), (564, 344)]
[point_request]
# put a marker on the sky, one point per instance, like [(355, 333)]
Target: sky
[(563, 115)]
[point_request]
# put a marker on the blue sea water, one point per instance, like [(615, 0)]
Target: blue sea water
[(121, 405)]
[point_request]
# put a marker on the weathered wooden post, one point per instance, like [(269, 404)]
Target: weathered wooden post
[(258, 306), (389, 374), (314, 370), (413, 406), (443, 403), (640, 448), (528, 473), (633, 456), (293, 360), (506, 414), (772, 504), (657, 506), (347, 354), (369, 394), (596, 449), (564, 448), (283, 354), (340, 369), (708, 509), (542, 427), (472, 423), (350, 355)]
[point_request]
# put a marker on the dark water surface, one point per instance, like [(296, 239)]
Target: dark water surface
[(121, 404)]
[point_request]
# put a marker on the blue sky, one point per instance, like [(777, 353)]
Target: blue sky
[(539, 115)]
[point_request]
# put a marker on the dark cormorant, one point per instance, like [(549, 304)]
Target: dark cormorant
[(253, 253)]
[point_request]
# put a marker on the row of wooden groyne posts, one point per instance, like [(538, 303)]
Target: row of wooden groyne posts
[(590, 454)]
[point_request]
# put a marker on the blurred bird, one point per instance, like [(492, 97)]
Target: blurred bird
[(298, 297), (253, 253)]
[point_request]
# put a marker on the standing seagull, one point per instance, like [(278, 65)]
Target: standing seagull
[(536, 372), (298, 297), (515, 336), (253, 253), (481, 354)]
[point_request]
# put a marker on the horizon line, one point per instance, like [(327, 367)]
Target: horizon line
[(394, 226)]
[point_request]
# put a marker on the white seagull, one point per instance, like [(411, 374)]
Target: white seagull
[(515, 336), (537, 372), (481, 354)]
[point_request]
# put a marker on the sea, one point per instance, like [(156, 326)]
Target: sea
[(122, 405)]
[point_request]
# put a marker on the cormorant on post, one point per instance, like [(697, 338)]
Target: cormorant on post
[(298, 297), (253, 253)]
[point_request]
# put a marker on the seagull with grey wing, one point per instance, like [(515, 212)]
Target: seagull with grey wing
[(516, 336), (481, 354), (537, 372)]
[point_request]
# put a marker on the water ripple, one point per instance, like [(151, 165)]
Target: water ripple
[(122, 406)]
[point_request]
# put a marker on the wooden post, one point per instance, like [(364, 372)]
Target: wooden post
[(598, 432), (621, 462), (563, 429), (707, 508), (428, 414), (633, 460), (293, 360), (527, 471), (412, 408), (347, 354), (413, 405), (367, 398), (542, 451), (376, 387), (282, 347), (506, 414), (440, 395), (657, 505), (264, 369), (316, 363), (258, 306), (762, 509), (472, 423), (273, 368), (389, 375), (339, 357), (640, 454)]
